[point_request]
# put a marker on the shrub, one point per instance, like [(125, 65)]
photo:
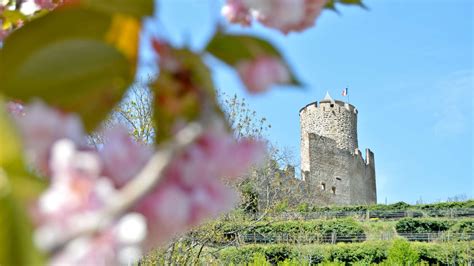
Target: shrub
[(402, 253), (294, 230), (453, 253), (303, 207), (436, 209), (369, 252), (259, 259), (397, 252), (411, 225), (462, 230)]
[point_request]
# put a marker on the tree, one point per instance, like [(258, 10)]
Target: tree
[(135, 112)]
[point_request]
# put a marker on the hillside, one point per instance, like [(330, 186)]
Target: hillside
[(440, 233)]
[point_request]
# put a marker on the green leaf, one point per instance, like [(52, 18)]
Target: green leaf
[(136, 8), (21, 183), (351, 2), (233, 49), (331, 4), (16, 235), (17, 188), (75, 59), (10, 150)]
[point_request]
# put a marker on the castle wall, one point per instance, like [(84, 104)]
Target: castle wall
[(331, 163), (338, 177), (333, 119)]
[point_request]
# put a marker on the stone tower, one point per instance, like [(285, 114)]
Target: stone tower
[(332, 166)]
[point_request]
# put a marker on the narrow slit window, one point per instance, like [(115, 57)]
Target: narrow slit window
[(323, 186), (333, 189)]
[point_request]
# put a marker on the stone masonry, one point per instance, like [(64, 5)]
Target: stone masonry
[(332, 166)]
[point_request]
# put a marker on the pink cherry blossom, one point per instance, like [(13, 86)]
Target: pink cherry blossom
[(77, 192), (75, 183), (119, 244), (258, 75), (15, 109), (41, 126), (84, 182), (283, 15), (191, 190), (122, 156), (45, 4), (237, 12)]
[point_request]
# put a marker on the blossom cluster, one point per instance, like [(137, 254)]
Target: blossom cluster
[(30, 6), (84, 180), (283, 15), (257, 74), (260, 74)]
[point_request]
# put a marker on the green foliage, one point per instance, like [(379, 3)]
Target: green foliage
[(10, 151), (398, 252), (464, 226), (70, 57), (452, 253), (259, 259), (315, 230), (303, 207), (369, 252), (16, 243), (462, 230), (413, 225), (281, 206), (16, 188), (243, 47), (136, 8), (331, 4), (293, 262), (396, 210), (249, 197), (402, 253)]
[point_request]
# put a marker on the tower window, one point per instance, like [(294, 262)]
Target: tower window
[(323, 186), (333, 189), (332, 105)]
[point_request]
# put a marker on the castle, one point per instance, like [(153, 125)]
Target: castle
[(332, 167)]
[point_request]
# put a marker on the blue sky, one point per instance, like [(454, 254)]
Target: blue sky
[(409, 69)]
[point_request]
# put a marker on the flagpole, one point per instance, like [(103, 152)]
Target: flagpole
[(348, 99), (346, 90)]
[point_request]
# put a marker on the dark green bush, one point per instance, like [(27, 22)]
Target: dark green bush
[(462, 230), (294, 230), (411, 225), (453, 253), (245, 254), (370, 252), (463, 226), (456, 253), (435, 209)]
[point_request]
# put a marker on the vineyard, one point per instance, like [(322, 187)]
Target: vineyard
[(440, 234)]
